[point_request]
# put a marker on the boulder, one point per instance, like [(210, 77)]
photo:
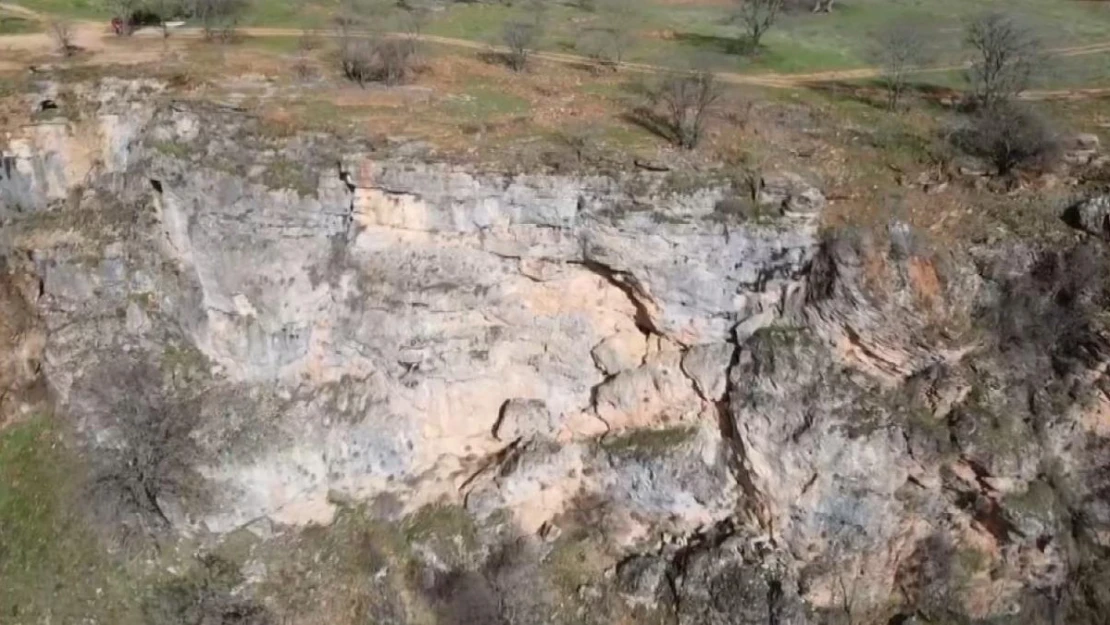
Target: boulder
[(1091, 216), (523, 418), (790, 193), (707, 366), (623, 350), (1086, 141)]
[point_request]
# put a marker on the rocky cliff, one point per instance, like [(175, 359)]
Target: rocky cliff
[(583, 399)]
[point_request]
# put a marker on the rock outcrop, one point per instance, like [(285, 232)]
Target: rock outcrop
[(404, 321), (688, 414)]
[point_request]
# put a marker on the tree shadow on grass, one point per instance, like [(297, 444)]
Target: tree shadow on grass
[(873, 93), (652, 122), (714, 43), (495, 57)]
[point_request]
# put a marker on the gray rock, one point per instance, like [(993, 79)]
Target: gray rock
[(790, 193), (707, 366), (643, 579), (354, 338), (523, 418), (1087, 141), (624, 350), (1092, 216)]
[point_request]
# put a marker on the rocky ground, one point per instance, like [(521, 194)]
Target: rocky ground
[(346, 387)]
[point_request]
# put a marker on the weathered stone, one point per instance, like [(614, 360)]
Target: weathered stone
[(1092, 216), (808, 427), (707, 366), (657, 392), (790, 193), (643, 579), (523, 418), (624, 350), (1087, 141)]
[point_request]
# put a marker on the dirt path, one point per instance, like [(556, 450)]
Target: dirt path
[(1067, 94)]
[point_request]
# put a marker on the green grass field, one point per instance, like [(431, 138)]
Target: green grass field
[(52, 568), (682, 34), (800, 42)]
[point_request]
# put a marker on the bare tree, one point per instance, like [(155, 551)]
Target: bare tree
[(758, 16), (414, 20), (899, 47), (62, 32), (393, 59), (579, 139), (687, 100), (607, 41), (520, 38), (1011, 136), (150, 457), (218, 18), (1006, 56)]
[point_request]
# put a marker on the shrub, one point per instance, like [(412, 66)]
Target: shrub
[(1011, 136), (607, 40), (205, 595), (387, 60)]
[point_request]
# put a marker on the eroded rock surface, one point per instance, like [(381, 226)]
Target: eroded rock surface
[(650, 409)]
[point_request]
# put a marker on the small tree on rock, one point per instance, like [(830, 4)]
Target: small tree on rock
[(149, 461), (758, 16), (1007, 55)]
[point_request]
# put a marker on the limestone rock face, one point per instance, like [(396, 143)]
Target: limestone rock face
[(683, 416), (405, 321)]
